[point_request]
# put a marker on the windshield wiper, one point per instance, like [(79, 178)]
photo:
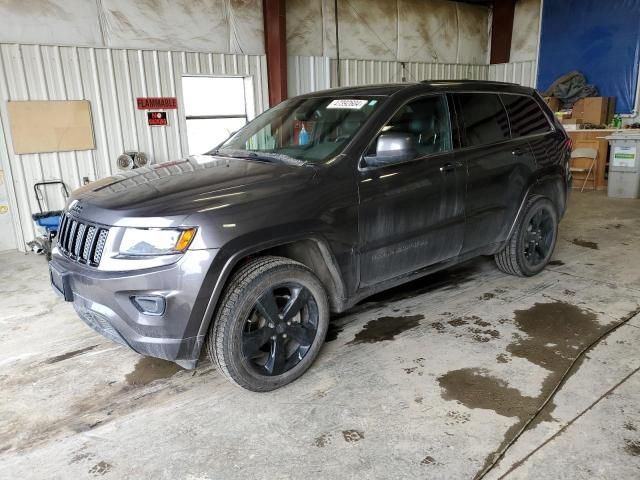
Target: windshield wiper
[(263, 156)]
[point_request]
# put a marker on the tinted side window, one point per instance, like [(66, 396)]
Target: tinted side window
[(426, 121), (484, 118), (526, 116)]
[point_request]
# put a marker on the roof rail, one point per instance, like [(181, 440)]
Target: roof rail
[(480, 82)]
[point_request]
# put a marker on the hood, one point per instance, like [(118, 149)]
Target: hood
[(181, 187)]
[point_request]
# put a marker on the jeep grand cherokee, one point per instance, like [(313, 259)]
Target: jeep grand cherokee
[(316, 204)]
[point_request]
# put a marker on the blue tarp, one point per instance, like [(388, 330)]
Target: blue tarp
[(599, 38)]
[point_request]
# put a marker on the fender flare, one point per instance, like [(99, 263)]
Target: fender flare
[(232, 261), (541, 185)]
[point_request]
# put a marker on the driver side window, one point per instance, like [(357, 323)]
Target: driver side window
[(422, 124)]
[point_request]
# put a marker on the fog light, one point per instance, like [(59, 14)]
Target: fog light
[(149, 304)]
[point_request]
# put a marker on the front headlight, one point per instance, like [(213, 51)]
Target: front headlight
[(156, 241)]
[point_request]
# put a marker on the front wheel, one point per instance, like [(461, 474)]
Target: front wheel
[(531, 245), (270, 325)]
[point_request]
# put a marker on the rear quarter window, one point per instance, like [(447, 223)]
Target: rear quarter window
[(525, 115), (484, 119)]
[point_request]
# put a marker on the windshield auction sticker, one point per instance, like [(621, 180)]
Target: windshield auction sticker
[(347, 104)]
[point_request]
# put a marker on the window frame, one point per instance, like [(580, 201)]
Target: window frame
[(544, 114), (362, 167), (460, 119), (249, 107), (462, 131)]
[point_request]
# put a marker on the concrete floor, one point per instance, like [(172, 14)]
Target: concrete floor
[(426, 381)]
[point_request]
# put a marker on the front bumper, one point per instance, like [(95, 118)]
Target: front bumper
[(103, 301)]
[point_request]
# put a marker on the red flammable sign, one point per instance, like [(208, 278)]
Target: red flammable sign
[(157, 103)]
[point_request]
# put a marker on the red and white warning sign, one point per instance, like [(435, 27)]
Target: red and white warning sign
[(157, 119), (149, 103)]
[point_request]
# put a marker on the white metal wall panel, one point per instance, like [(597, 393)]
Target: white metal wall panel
[(310, 74), (110, 79), (444, 71), (363, 72), (523, 73)]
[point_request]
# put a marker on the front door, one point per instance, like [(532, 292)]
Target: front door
[(411, 212)]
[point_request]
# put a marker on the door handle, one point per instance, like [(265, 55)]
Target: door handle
[(517, 152), (447, 167)]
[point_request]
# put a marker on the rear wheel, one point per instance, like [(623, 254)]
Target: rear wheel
[(532, 243), (270, 325)]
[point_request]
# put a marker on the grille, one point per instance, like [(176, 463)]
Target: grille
[(81, 241)]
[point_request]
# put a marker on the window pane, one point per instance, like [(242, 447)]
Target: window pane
[(525, 115), (485, 120), (213, 96), (203, 135), (308, 129), (426, 121)]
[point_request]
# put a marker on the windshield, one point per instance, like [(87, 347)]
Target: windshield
[(306, 130)]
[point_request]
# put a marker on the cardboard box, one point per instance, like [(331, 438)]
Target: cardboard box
[(595, 110), (553, 103)]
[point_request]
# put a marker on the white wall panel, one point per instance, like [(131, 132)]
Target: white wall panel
[(229, 26), (310, 74), (526, 31), (418, 30), (110, 79), (522, 73), (363, 72), (69, 22)]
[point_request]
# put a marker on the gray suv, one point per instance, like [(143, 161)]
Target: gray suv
[(316, 204)]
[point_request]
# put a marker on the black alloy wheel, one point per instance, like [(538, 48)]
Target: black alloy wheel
[(532, 241), (539, 238), (270, 323), (280, 329)]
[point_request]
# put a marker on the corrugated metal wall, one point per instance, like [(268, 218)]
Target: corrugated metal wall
[(110, 79), (308, 74), (523, 73)]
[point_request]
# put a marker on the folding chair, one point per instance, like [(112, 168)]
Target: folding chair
[(582, 154)]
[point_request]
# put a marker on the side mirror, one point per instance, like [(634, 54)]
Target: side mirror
[(392, 148)]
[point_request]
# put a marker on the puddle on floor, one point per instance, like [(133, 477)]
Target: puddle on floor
[(476, 388), (149, 369), (553, 334), (385, 328), (585, 243)]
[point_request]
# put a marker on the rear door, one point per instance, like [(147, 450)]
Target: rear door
[(498, 168), (412, 212)]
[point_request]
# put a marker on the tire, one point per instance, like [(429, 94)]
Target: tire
[(529, 249), (259, 305)]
